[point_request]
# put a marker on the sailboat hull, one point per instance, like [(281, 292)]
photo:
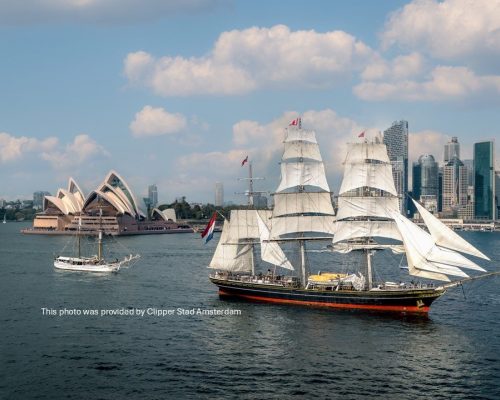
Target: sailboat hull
[(406, 301), (75, 264)]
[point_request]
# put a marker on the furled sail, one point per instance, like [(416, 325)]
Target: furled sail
[(444, 236), (271, 252), (231, 257)]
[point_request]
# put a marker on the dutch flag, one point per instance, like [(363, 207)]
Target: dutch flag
[(208, 233)]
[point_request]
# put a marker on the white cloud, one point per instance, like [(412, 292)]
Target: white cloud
[(263, 143), (80, 151), (451, 29), (426, 142), (401, 67), (13, 148), (151, 121), (444, 83), (97, 11), (245, 60)]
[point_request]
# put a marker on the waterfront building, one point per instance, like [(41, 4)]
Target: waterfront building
[(451, 150), (2, 203), (469, 164), (219, 194), (153, 196), (396, 140), (454, 186), (497, 194), (484, 180), (112, 207), (430, 202), (425, 177), (38, 198)]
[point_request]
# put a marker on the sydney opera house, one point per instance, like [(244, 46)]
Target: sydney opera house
[(70, 211)]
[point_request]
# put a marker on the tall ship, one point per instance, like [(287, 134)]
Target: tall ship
[(368, 220)]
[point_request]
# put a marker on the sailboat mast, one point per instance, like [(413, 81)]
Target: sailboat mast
[(250, 184), (252, 260), (303, 262), (99, 246), (369, 274), (79, 235)]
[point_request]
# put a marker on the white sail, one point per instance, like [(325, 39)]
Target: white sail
[(376, 176), (302, 224), (231, 257), (444, 236), (243, 225), (346, 230), (294, 134), (271, 252), (423, 253), (302, 203), (305, 173), (305, 150), (359, 152), (357, 206)]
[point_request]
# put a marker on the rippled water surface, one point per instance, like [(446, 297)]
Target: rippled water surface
[(267, 352)]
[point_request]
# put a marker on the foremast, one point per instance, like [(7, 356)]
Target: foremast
[(368, 208), (367, 197), (303, 208)]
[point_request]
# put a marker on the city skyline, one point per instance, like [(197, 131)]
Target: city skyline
[(86, 90)]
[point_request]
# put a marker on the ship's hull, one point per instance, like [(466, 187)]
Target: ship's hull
[(86, 267), (395, 300)]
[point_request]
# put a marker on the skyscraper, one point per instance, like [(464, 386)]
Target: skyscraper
[(219, 194), (497, 194), (396, 140), (469, 164), (425, 180), (454, 186), (451, 150), (153, 196), (38, 199), (484, 180)]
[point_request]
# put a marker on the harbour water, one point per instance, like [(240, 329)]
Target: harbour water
[(260, 351)]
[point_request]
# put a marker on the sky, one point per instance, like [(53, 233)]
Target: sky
[(178, 92)]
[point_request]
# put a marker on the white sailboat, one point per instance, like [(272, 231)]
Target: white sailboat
[(4, 218), (95, 263)]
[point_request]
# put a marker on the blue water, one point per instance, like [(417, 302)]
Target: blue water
[(267, 352)]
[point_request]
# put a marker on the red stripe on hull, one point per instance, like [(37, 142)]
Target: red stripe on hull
[(412, 309)]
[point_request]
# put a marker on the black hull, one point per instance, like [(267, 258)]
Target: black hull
[(400, 300)]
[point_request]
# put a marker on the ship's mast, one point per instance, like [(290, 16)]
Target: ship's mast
[(250, 192), (303, 270), (369, 274), (79, 235), (99, 245)]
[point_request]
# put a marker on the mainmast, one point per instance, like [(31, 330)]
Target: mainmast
[(302, 202), (99, 243), (367, 197), (250, 193)]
